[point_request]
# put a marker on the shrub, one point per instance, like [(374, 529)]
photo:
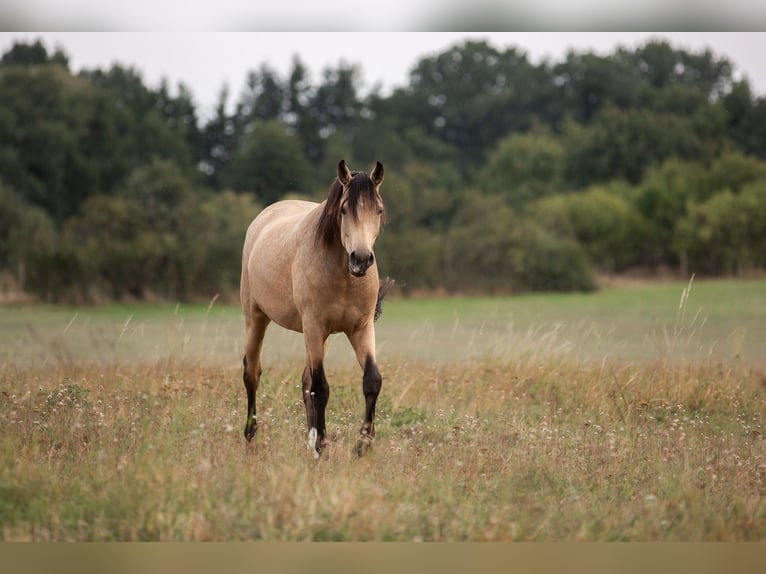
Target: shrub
[(491, 249)]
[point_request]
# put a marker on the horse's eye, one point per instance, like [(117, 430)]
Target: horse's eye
[(343, 210), (380, 211)]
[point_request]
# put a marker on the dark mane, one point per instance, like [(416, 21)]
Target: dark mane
[(361, 188)]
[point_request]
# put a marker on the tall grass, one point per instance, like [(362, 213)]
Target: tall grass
[(529, 434), (486, 451)]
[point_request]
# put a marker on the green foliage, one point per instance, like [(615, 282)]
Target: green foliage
[(29, 244), (489, 248), (551, 263), (471, 95), (662, 198), (225, 217), (111, 188), (161, 237), (669, 192), (269, 163), (524, 167), (479, 250), (36, 54), (746, 119), (733, 170), (726, 233), (609, 227), (624, 144), (414, 256)]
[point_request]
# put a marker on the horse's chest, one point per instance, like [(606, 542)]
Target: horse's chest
[(341, 320), (342, 308)]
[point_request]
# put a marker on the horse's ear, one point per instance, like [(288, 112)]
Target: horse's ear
[(377, 174), (344, 174)]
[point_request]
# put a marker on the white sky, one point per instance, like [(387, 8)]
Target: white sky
[(205, 61)]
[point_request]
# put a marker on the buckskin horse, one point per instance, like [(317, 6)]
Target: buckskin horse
[(311, 268)]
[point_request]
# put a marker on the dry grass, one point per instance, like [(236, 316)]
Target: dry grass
[(485, 450), (495, 423)]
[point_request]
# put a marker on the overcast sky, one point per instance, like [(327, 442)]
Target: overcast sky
[(206, 61)]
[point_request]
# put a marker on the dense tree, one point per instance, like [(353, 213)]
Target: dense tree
[(268, 163), (726, 233), (662, 65), (264, 96), (524, 167), (218, 141), (609, 227), (472, 95), (624, 144), (490, 248), (588, 82), (43, 127), (34, 54), (746, 119), (27, 234), (502, 174)]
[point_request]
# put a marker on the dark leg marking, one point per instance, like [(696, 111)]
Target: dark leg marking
[(251, 425), (316, 394), (371, 384)]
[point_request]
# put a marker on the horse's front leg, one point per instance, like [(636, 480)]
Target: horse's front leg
[(363, 342), (315, 389)]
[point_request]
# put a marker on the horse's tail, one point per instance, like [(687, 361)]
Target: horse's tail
[(385, 286)]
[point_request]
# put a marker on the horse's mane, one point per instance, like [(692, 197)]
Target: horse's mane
[(360, 188)]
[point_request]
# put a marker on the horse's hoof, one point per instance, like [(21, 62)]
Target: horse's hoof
[(363, 445), (250, 430), (322, 452)]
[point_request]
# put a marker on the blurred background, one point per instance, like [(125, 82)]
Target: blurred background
[(132, 163)]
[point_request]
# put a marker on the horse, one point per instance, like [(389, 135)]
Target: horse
[(311, 268)]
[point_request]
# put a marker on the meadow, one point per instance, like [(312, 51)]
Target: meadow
[(634, 413)]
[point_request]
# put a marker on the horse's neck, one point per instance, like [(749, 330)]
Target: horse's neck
[(332, 257)]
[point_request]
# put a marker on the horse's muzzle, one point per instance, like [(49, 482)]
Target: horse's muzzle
[(359, 262)]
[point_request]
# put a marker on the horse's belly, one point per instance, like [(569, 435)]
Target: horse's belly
[(272, 294), (287, 318), (271, 249)]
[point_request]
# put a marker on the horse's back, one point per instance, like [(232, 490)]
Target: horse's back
[(270, 245)]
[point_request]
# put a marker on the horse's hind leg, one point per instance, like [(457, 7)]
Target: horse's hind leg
[(363, 342), (255, 329)]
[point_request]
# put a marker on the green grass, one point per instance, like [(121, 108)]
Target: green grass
[(612, 416), (720, 320)]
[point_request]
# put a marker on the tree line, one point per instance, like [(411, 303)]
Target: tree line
[(502, 174)]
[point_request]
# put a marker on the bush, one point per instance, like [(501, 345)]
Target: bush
[(551, 263), (609, 228), (413, 256), (524, 168), (726, 233), (492, 250)]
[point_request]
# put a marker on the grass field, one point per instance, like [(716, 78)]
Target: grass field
[(635, 413)]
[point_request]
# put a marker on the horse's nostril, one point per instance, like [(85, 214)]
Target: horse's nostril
[(371, 259)]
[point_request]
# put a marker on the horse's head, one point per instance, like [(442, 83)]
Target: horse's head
[(354, 215), (361, 215)]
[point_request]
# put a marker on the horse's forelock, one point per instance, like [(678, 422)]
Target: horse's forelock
[(361, 189)]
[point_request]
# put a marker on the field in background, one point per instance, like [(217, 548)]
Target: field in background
[(630, 414), (719, 320)]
